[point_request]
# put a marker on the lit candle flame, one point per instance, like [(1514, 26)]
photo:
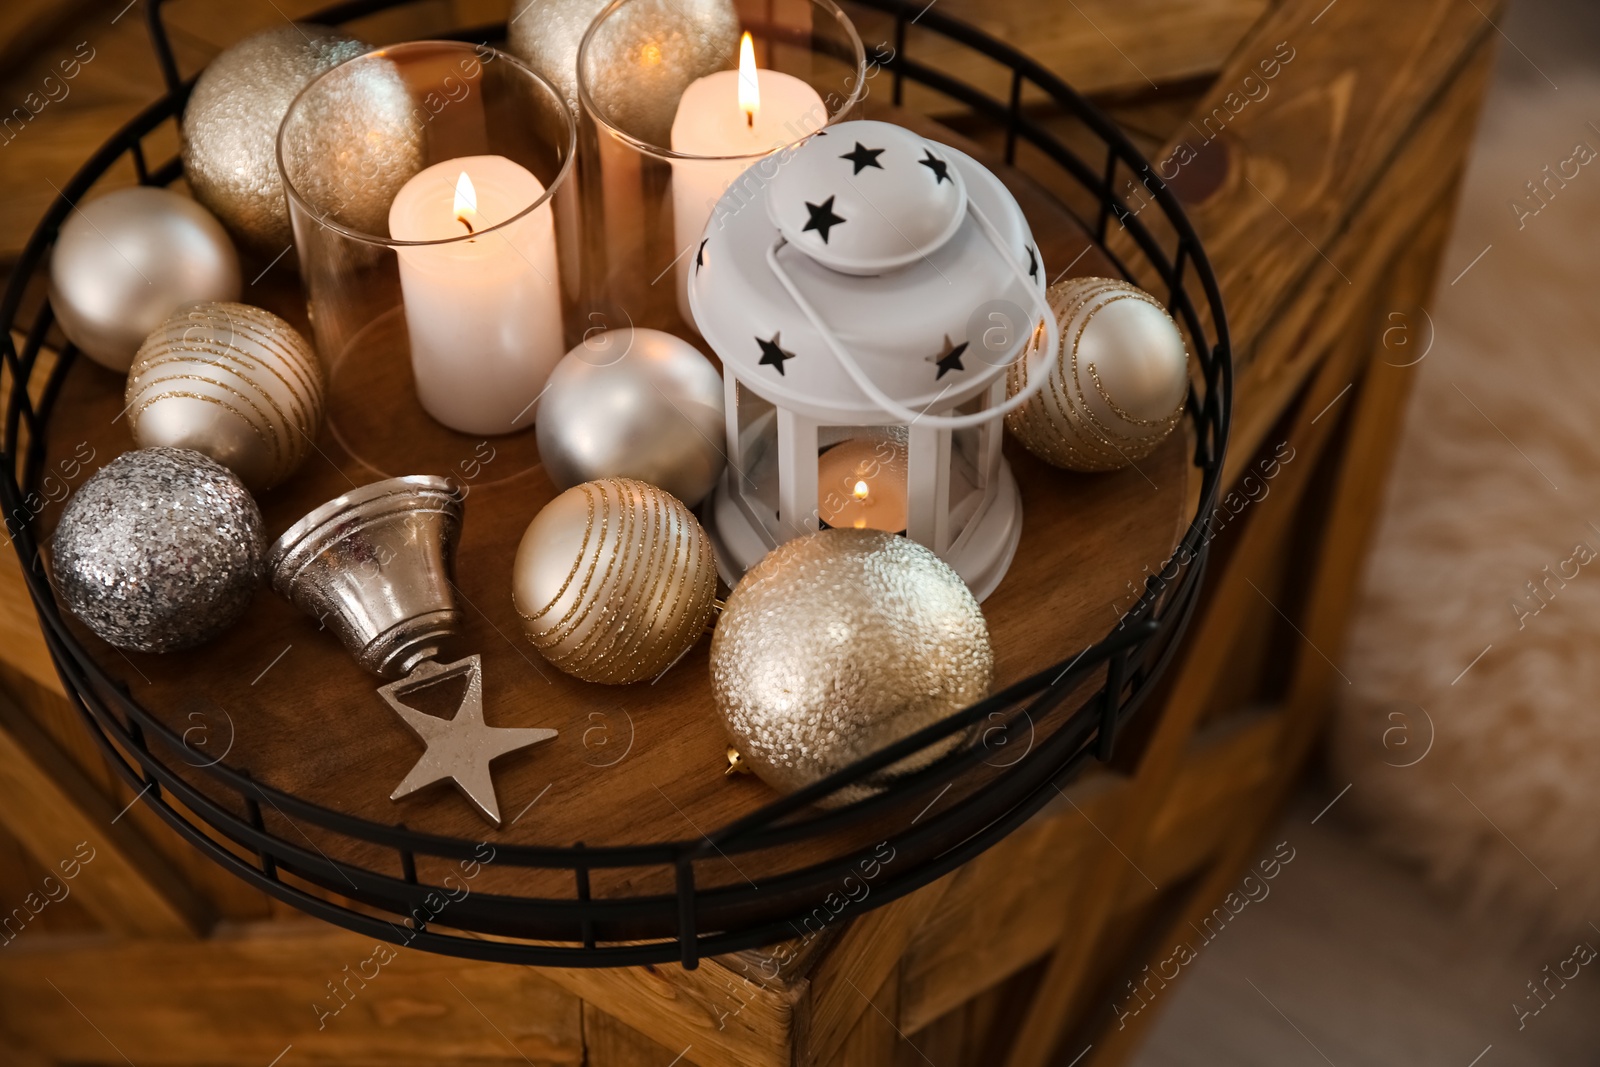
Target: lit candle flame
[(749, 82), (861, 490), (466, 201)]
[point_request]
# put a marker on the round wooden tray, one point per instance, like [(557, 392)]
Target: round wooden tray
[(277, 702)]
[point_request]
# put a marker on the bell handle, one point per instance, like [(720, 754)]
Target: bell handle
[(1037, 374)]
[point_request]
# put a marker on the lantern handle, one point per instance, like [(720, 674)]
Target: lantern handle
[(1037, 375)]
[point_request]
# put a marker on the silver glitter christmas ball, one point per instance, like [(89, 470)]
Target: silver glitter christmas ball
[(614, 580), (127, 260), (839, 643), (1117, 386), (640, 60), (232, 381), (161, 550), (634, 403), (351, 141), (230, 125)]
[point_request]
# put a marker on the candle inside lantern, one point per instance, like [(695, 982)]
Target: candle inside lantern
[(483, 312), (739, 116), (862, 485)]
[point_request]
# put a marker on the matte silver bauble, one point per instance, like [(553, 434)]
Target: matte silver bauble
[(161, 550), (614, 581), (230, 125), (1117, 386), (124, 262), (634, 403), (640, 60), (839, 643), (232, 381)]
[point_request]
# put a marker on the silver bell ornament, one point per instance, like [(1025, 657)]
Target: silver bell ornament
[(230, 125), (1116, 386), (838, 644), (634, 403), (125, 261), (161, 550), (376, 567), (232, 381)]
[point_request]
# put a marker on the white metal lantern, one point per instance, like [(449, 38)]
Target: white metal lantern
[(866, 293)]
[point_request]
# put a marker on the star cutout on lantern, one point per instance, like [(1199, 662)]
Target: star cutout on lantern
[(940, 168), (864, 157), (772, 354), (700, 255), (1033, 263), (822, 218), (950, 358), (461, 748)]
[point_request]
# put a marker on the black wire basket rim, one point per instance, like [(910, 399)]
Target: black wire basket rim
[(1141, 641)]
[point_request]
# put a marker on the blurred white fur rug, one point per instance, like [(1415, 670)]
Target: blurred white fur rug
[(1471, 728)]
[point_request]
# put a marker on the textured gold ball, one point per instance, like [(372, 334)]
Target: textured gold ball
[(1116, 387), (350, 143), (641, 60), (842, 642), (230, 125), (614, 580), (231, 381)]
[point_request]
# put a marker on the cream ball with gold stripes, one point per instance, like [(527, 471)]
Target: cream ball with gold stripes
[(232, 381), (1117, 385), (614, 580)]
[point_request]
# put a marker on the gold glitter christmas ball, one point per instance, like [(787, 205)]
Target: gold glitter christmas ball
[(230, 125), (231, 381), (842, 642), (351, 141), (1117, 385), (614, 580), (641, 59)]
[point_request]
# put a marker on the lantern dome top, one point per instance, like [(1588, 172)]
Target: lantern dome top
[(867, 197), (930, 334)]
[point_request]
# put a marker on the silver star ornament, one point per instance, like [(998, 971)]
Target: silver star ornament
[(461, 748)]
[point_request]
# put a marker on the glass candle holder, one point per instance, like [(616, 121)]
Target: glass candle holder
[(428, 188), (678, 100)]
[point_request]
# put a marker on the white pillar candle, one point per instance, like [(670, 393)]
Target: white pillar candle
[(484, 313), (745, 113)]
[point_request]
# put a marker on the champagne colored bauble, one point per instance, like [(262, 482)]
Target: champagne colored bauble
[(1116, 387), (838, 644), (614, 581), (124, 262), (232, 381), (350, 143), (161, 550), (642, 59), (230, 125), (634, 403)]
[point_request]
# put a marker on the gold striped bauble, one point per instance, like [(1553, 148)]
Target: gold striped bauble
[(232, 381), (1117, 385), (614, 580)]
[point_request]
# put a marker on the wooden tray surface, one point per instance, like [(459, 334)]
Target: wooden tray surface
[(632, 764)]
